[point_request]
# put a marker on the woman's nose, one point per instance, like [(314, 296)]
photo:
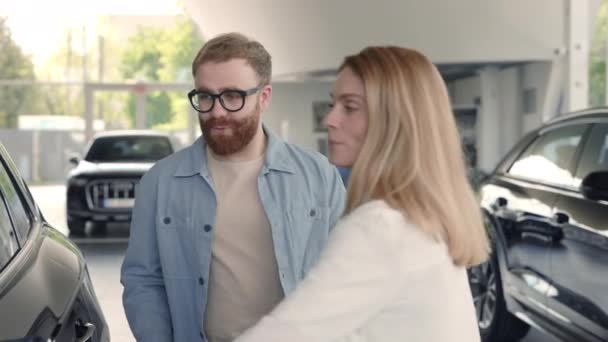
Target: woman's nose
[(330, 120)]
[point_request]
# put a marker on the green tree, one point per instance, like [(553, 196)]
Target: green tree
[(14, 65), (162, 55), (597, 58), (68, 64)]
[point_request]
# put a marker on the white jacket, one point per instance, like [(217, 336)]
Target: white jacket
[(379, 279)]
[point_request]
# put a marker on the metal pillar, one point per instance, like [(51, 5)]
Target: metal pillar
[(511, 108), (140, 109), (488, 128), (555, 87), (577, 36), (88, 111)]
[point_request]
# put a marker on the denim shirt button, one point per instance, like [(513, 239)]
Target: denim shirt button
[(201, 281), (207, 228), (167, 220), (312, 213)]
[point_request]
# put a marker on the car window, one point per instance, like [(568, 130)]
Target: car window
[(129, 149), (21, 219), (595, 154), (549, 158), (8, 238), (18, 180)]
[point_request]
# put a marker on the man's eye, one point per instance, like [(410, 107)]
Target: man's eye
[(231, 96)]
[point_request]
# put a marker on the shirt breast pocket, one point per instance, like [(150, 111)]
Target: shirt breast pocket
[(175, 240), (308, 231)]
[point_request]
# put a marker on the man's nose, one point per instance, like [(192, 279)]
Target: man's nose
[(218, 110)]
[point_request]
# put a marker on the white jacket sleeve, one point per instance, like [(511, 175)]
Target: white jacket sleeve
[(357, 276)]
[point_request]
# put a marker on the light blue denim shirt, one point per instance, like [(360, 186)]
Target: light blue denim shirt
[(166, 266)]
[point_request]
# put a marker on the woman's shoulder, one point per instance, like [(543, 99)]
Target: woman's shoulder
[(377, 213), (376, 210), (378, 221)]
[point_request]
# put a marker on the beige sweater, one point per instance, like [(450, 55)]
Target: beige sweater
[(379, 279)]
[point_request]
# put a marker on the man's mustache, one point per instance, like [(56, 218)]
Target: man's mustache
[(219, 122)]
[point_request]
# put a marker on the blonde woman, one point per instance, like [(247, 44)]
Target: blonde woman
[(394, 267)]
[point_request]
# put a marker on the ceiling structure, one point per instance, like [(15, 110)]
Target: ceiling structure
[(308, 39)]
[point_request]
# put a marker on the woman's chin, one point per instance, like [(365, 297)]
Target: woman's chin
[(339, 162)]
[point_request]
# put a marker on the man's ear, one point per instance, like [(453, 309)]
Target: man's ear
[(265, 97)]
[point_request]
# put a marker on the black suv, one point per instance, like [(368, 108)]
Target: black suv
[(45, 289), (546, 210), (101, 188)]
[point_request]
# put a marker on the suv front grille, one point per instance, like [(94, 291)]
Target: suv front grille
[(111, 194)]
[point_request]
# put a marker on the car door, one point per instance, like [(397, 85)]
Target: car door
[(522, 200), (15, 264), (579, 261), (40, 271)]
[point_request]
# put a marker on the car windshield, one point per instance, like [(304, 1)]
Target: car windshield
[(129, 149)]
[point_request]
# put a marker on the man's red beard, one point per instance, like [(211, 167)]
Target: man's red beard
[(241, 133)]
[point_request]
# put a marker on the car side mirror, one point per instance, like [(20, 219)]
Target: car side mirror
[(74, 159), (595, 186)]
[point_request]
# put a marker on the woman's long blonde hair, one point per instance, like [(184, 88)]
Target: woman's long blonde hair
[(412, 156)]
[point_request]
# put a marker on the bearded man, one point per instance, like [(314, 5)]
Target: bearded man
[(225, 228)]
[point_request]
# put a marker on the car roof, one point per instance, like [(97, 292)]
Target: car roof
[(589, 113), (130, 132)]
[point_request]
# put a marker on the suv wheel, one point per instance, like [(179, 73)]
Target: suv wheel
[(76, 226), (496, 324)]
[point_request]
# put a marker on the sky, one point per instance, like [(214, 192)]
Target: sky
[(38, 26)]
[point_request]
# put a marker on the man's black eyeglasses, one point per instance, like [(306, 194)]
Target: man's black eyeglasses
[(232, 100)]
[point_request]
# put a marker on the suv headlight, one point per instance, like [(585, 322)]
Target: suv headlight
[(76, 181)]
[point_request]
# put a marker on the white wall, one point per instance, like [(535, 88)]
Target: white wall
[(505, 121), (531, 75), (489, 119), (292, 101), (509, 85), (463, 92), (535, 76)]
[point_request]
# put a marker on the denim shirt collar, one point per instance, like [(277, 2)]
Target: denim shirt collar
[(195, 157)]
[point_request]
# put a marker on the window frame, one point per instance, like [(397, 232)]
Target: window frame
[(24, 196), (4, 203)]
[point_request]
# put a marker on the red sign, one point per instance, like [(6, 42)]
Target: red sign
[(139, 88)]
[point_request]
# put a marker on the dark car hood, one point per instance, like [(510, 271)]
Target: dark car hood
[(86, 168)]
